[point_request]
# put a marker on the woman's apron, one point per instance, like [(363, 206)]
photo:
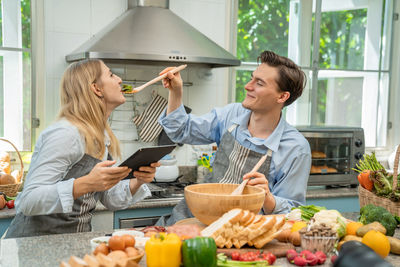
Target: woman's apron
[(232, 161), (79, 220)]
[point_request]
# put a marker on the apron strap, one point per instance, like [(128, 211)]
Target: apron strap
[(233, 126), (268, 162)]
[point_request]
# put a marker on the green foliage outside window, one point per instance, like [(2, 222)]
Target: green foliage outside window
[(342, 39), (262, 25)]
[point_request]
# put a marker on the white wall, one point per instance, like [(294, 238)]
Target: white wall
[(69, 23)]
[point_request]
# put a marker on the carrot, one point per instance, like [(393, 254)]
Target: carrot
[(365, 181)]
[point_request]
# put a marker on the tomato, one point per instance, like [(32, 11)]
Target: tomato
[(271, 258), (10, 204), (235, 255)]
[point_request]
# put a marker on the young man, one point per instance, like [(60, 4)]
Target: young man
[(247, 131)]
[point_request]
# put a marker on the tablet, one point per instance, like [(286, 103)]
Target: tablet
[(146, 156)]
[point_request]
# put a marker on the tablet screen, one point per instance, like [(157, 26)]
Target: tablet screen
[(146, 156)]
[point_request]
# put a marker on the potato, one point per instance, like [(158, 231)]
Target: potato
[(294, 238), (284, 235), (394, 245), (371, 226)]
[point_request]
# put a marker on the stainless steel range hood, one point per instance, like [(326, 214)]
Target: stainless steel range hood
[(149, 33)]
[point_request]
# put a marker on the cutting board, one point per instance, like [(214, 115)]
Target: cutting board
[(275, 247)]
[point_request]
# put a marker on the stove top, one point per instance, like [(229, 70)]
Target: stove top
[(167, 190)]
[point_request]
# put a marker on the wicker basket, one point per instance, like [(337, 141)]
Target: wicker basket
[(12, 189), (367, 197)]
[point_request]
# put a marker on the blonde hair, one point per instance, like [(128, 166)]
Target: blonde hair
[(84, 109)]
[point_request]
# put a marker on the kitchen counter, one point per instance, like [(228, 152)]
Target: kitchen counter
[(50, 250), (314, 192)]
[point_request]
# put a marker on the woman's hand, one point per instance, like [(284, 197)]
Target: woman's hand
[(261, 181), (144, 175), (101, 178)]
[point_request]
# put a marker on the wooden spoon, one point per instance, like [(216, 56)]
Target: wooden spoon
[(159, 78), (239, 189)]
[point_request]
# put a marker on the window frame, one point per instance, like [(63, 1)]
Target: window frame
[(15, 97), (297, 51)]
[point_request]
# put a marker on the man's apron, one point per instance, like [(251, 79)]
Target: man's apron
[(232, 161), (79, 220)]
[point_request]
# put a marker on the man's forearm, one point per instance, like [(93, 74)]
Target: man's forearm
[(269, 204), (174, 101)]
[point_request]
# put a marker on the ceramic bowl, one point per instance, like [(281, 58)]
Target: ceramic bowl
[(98, 240), (129, 232)]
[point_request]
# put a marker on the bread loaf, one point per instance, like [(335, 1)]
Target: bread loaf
[(7, 179), (239, 227), (322, 169), (318, 155)]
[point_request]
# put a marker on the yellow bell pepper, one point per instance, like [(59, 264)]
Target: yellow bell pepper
[(163, 250)]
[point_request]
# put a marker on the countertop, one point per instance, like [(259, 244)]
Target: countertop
[(313, 192), (51, 249)]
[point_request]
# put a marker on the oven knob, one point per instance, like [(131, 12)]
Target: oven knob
[(358, 155), (358, 142)]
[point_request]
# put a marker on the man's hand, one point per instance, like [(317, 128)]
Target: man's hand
[(101, 178), (259, 180), (175, 85), (173, 81)]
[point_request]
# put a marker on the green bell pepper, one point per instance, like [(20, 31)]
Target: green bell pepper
[(199, 252)]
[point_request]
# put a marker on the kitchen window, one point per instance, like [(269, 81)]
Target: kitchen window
[(15, 73), (342, 46)]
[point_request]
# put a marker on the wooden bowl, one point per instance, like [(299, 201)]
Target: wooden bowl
[(208, 202), (138, 257)]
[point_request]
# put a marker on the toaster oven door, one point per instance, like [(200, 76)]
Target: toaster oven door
[(332, 158)]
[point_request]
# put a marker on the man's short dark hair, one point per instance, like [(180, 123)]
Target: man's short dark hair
[(291, 78)]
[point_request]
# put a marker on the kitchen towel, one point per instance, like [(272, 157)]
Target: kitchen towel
[(148, 126)]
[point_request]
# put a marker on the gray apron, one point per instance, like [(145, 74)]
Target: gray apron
[(232, 161), (76, 221)]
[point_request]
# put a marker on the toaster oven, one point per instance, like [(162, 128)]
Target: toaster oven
[(334, 151)]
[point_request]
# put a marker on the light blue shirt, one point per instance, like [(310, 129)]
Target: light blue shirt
[(291, 155), (57, 149)]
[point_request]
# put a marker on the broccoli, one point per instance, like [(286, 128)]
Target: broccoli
[(371, 213), (397, 219)]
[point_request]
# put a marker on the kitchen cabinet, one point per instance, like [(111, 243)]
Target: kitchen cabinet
[(133, 218), (343, 199)]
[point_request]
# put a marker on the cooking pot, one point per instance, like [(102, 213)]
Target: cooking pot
[(168, 171)]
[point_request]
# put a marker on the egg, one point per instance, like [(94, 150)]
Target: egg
[(116, 243), (129, 240), (102, 248), (117, 255), (131, 252)]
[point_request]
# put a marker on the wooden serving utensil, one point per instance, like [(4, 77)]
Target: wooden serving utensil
[(159, 78), (239, 189)]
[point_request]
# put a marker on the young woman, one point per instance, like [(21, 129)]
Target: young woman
[(71, 167)]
